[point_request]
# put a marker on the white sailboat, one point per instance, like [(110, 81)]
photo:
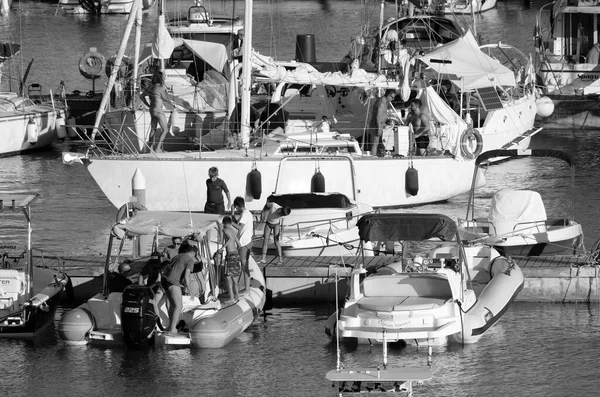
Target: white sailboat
[(175, 180)]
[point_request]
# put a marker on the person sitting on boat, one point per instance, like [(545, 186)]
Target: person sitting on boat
[(271, 215), (419, 122), (171, 251), (215, 187), (233, 268), (118, 281), (244, 224), (157, 96), (177, 275)]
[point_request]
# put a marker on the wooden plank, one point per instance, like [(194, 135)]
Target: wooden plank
[(384, 375)]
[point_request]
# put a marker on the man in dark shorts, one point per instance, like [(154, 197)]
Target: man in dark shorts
[(176, 275), (233, 265), (420, 126), (215, 187)]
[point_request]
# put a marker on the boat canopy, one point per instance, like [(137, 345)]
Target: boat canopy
[(463, 62), (165, 223), (406, 227), (311, 200)]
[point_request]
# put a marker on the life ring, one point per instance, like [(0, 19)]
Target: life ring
[(91, 65), (465, 143), (128, 210)]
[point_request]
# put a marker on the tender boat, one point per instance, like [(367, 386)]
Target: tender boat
[(322, 222), (565, 37), (127, 317), (319, 100), (28, 294), (439, 291), (517, 223)]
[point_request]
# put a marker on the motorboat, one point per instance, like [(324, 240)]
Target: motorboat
[(322, 222), (517, 223), (565, 37), (438, 291), (28, 294), (100, 7), (453, 7), (209, 317)]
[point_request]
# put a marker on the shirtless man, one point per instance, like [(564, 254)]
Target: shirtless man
[(420, 125), (233, 267)]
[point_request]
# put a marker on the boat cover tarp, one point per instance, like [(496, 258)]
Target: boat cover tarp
[(406, 227), (462, 62), (215, 54), (524, 153), (311, 200), (442, 117), (173, 224), (516, 206), (304, 73)]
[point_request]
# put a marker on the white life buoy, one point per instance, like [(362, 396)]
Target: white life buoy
[(467, 148)]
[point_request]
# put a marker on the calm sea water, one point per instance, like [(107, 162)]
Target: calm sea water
[(535, 350)]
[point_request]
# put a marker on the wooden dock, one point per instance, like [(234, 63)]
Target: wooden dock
[(312, 279)]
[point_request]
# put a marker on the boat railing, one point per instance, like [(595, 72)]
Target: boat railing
[(330, 225), (125, 141)]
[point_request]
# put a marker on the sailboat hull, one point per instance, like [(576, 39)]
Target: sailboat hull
[(176, 181)]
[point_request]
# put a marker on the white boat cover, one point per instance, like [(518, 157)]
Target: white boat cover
[(173, 224), (510, 207), (467, 66), (215, 54), (304, 73)]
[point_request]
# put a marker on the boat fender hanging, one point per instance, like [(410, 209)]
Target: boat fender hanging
[(61, 129), (32, 131), (466, 144), (412, 180), (317, 183), (254, 184), (71, 127), (128, 210)]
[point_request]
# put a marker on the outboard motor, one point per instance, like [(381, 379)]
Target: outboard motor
[(138, 320)]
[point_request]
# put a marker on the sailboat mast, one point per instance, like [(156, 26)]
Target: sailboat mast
[(381, 6), (117, 65), (246, 73)]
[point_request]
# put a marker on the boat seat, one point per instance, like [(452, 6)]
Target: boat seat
[(12, 286), (400, 303), (402, 285)]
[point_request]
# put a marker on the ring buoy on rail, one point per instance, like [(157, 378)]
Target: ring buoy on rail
[(468, 148), (92, 64)]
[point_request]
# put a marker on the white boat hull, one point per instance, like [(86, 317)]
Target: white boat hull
[(176, 182), (451, 7), (13, 129)]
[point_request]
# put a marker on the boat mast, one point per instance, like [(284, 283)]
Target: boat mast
[(135, 9), (381, 6), (246, 73)]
